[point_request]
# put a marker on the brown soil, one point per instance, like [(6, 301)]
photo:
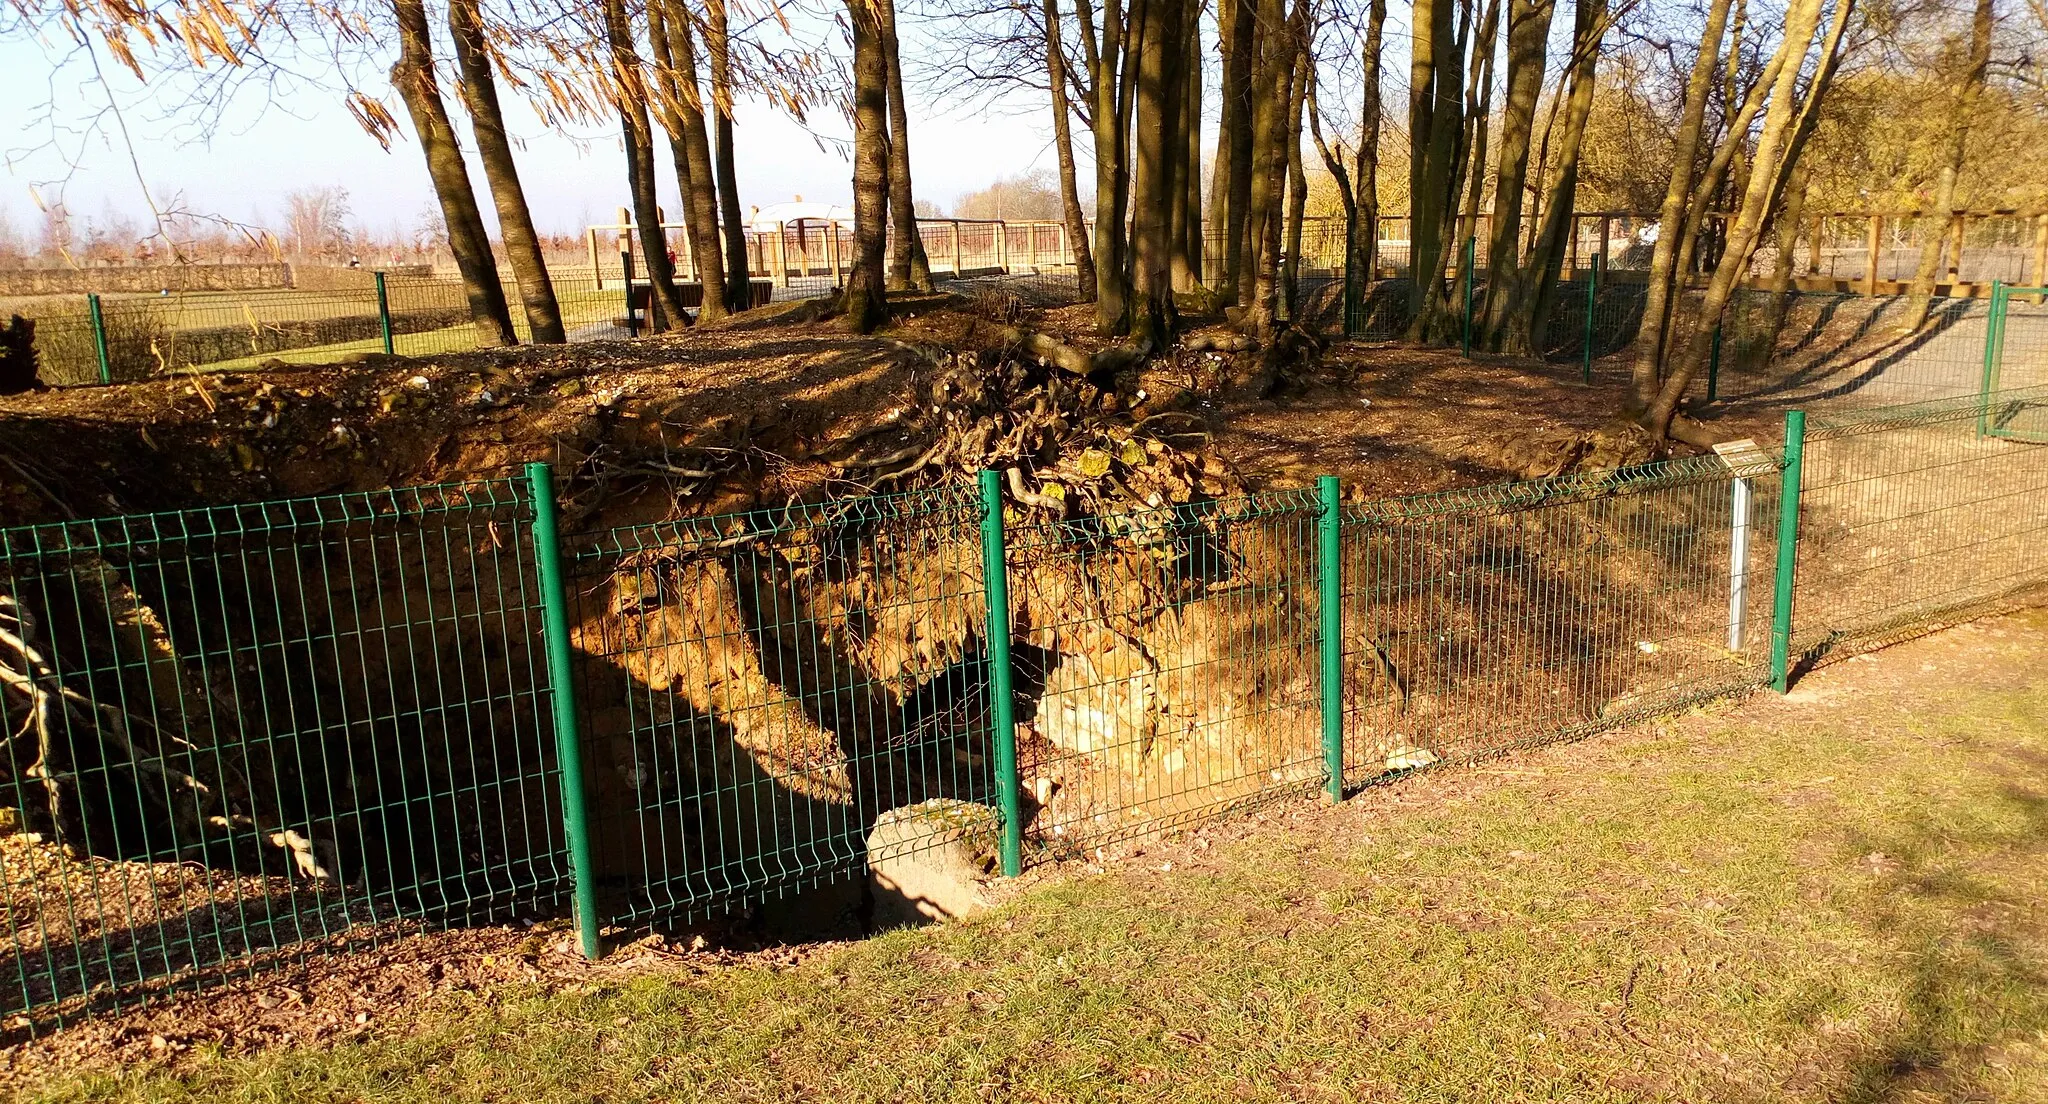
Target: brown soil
[(792, 395)]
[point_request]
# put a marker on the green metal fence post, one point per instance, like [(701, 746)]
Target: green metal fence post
[(1714, 366), (562, 696), (99, 337), (996, 578), (1471, 257), (1330, 607), (384, 313), (1788, 549), (1994, 332), (1592, 297)]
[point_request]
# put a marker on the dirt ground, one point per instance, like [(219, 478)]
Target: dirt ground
[(786, 399), (364, 996), (774, 407)]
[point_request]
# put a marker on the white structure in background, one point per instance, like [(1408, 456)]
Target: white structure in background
[(763, 220)]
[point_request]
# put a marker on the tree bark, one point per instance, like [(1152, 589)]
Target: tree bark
[(1162, 52), (1063, 141), (909, 268), (494, 149), (1110, 118), (1540, 270), (682, 101), (1920, 294), (1527, 54), (1365, 178), (1785, 228), (413, 76), (1187, 199), (1478, 120), (1297, 180), (1436, 122), (631, 88), (1663, 288), (865, 302), (738, 272), (1784, 121), (1235, 143), (1259, 277)]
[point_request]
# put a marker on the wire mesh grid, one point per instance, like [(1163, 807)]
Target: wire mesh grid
[(1918, 515), (1478, 621), (236, 732), (1166, 665), (758, 689)]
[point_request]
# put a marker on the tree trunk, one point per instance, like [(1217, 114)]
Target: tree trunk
[(1785, 227), (675, 55), (1187, 200), (1726, 163), (413, 76), (909, 268), (1063, 141), (1783, 120), (1478, 120), (1162, 52), (494, 149), (1920, 293), (739, 274), (1539, 273), (1436, 122), (1527, 54), (866, 303), (1273, 77), (1365, 179), (1297, 181), (1110, 117), (1663, 288), (1235, 162), (631, 88)]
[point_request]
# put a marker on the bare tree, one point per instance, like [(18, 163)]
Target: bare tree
[(413, 77), (1063, 144), (629, 85), (864, 299), (1787, 121), (494, 149), (1969, 91), (908, 266), (681, 110)]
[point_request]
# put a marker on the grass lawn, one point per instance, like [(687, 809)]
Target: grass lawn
[(1836, 896)]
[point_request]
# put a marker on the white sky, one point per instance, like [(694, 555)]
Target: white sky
[(257, 156)]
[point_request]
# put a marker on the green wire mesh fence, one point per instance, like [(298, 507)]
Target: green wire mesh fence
[(1166, 664), (1918, 515), (236, 732), (242, 734), (1482, 620), (759, 688)]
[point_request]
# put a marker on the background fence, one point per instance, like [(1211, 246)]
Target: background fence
[(1839, 330), (244, 733)]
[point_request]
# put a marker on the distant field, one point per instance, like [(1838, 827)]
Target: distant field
[(215, 331)]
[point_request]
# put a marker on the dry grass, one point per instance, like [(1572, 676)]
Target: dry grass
[(1835, 896)]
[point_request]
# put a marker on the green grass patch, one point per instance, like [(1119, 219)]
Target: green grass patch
[(1772, 904)]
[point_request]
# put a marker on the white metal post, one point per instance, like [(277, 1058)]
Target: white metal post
[(1738, 562)]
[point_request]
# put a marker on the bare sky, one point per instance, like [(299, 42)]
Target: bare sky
[(254, 157)]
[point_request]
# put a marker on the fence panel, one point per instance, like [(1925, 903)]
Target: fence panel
[(237, 731), (1919, 515), (759, 688), (1488, 619), (1166, 664)]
